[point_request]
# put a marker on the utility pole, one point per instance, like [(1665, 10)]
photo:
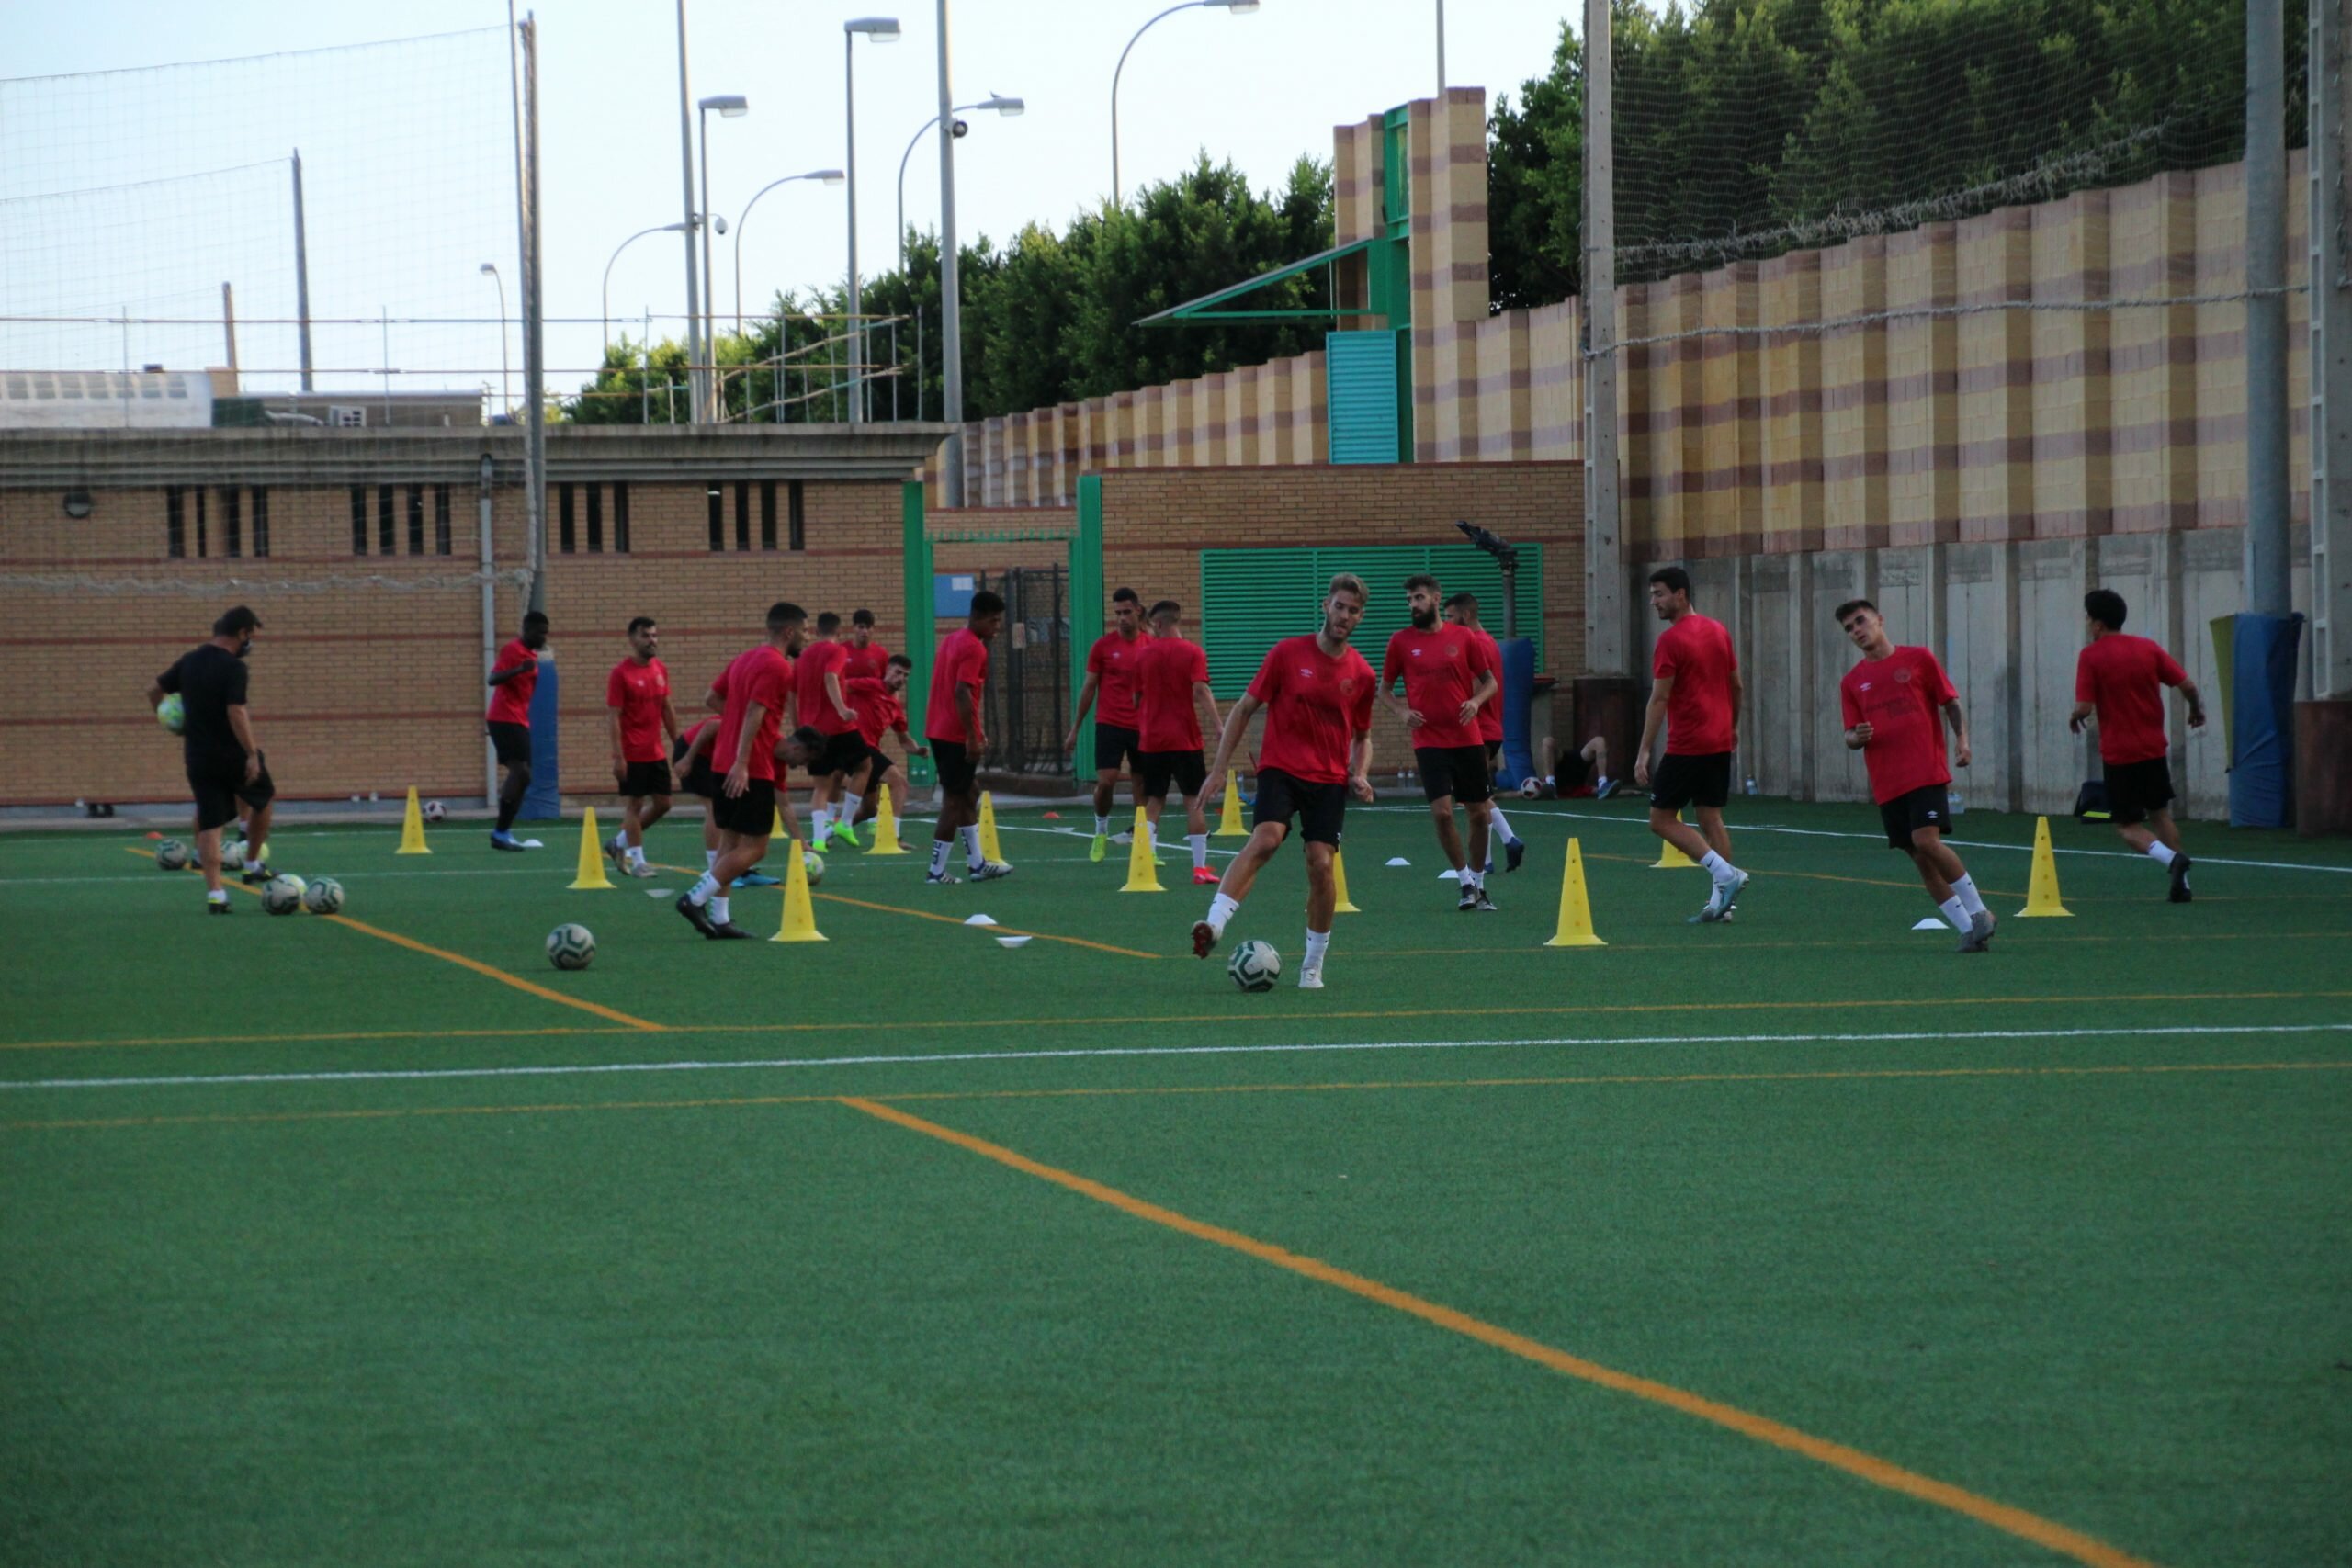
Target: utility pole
[(686, 178)]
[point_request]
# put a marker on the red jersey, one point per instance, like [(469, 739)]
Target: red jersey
[(511, 702), (1118, 660), (1168, 670), (762, 675), (687, 737), (816, 661), (963, 661), (1490, 712), (1901, 697), (878, 708), (1440, 667), (1696, 651), (640, 692), (2122, 678), (1316, 706), (869, 661)]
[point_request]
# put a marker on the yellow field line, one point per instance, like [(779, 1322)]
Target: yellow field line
[(1762, 1428), (951, 919)]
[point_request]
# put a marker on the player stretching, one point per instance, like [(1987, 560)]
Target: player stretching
[(882, 709), (839, 771), (224, 762), (637, 707), (1894, 703), (1582, 774), (1463, 610), (952, 725), (513, 677), (2122, 679), (750, 694), (1112, 666), (1449, 681), (1695, 694), (1173, 686), (1318, 692)]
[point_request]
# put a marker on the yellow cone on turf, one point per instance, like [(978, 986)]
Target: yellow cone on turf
[(2041, 892), (778, 831), (1670, 858), (989, 848), (799, 909), (592, 856), (1228, 823), (1576, 913), (412, 828), (885, 827), (1339, 902), (1143, 874)]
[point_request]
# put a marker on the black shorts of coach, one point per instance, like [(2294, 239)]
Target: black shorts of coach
[(1188, 771), (844, 753), (752, 813), (2135, 789), (512, 742), (642, 781), (1114, 744), (1701, 780), (1458, 771), (1929, 805), (1320, 808), (957, 772), (219, 785)]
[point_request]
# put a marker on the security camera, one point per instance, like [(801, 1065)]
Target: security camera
[(962, 130)]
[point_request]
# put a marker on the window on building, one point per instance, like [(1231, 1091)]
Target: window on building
[(232, 523), (566, 540), (261, 522), (199, 493), (596, 520), (175, 522), (742, 515), (387, 538), (358, 520), (440, 520), (715, 501), (767, 515), (620, 517), (799, 522), (417, 520)]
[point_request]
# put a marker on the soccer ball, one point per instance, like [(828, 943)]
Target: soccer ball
[(323, 897), (282, 895), (172, 714), (814, 864), (1255, 966), (571, 947), (1531, 788), (435, 811), (171, 855)]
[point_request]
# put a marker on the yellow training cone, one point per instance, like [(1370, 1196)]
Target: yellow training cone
[(1229, 824), (1340, 903), (778, 831), (1576, 914), (412, 828), (885, 827), (1143, 875), (2041, 892), (989, 848), (1670, 858), (799, 910), (592, 856)]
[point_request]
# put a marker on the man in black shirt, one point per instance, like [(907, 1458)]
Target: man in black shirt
[(224, 760)]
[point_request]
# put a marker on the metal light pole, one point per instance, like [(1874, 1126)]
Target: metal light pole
[(877, 30), (1238, 7), (686, 185), (1004, 106), (1440, 50), (951, 309), (658, 229), (730, 105), (823, 176), (505, 373)]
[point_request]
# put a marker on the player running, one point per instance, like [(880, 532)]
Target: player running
[(1695, 694), (952, 725), (1317, 693), (514, 676), (1463, 610), (750, 694), (2122, 679), (882, 709), (1895, 702), (840, 771), (1449, 680), (1172, 687), (644, 728), (1112, 666), (224, 762)]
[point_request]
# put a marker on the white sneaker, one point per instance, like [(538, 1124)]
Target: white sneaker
[(1310, 976), (989, 870)]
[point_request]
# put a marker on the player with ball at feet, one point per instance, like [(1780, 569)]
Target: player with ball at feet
[(1317, 693), (224, 762)]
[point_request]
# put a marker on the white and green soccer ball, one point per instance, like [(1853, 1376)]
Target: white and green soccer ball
[(1255, 966), (172, 714), (171, 855), (814, 864), (283, 895), (571, 947), (323, 897)]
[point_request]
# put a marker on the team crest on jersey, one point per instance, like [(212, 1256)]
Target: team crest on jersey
[(1902, 677)]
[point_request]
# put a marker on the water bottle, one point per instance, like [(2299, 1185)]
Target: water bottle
[(1751, 783), (1959, 803)]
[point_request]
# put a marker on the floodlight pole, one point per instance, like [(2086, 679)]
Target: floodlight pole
[(951, 309), (1606, 643), (2330, 273), (302, 271), (2267, 498), (686, 180)]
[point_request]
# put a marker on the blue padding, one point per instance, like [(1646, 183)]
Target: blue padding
[(543, 802), (1519, 689), (2262, 720)]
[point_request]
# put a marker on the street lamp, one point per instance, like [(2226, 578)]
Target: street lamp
[(679, 228), (505, 377), (877, 29), (1238, 7), (823, 176), (1009, 107), (730, 105)]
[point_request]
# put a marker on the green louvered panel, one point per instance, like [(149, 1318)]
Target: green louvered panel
[(1252, 599), (1360, 383)]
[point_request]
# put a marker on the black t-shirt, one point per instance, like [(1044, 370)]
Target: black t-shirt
[(209, 680)]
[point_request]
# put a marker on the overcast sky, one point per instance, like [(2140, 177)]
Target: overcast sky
[(1259, 89)]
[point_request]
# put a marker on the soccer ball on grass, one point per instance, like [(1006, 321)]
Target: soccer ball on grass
[(171, 855), (323, 897), (571, 947), (1255, 966), (283, 895), (814, 864), (1531, 788), (435, 811)]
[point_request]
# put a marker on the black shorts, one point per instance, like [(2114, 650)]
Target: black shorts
[(1319, 808), (1927, 806), (698, 778), (1114, 744), (1571, 771), (883, 763), (2134, 789), (220, 786), (1188, 771), (512, 742), (1703, 780), (752, 813), (843, 753), (646, 779), (1458, 771), (958, 773)]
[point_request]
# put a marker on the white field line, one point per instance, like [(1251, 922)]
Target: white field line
[(595, 1069)]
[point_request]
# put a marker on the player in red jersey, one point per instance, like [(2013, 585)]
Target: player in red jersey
[(644, 728), (1450, 679), (868, 658), (2122, 679), (1895, 704), (1172, 689), (750, 696), (952, 725), (1695, 695), (882, 709), (1113, 665), (1317, 693), (821, 678), (514, 676), (1463, 610)]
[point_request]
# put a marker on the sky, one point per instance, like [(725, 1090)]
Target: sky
[(410, 183)]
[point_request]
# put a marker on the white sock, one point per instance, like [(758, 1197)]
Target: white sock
[(939, 848), (972, 847), (1955, 909), (700, 893), (718, 909), (1199, 843), (1717, 867), (2158, 851), (851, 806), (1317, 942), (710, 860), (1221, 910), (819, 817), (619, 840), (1471, 877), (1499, 825), (252, 865), (1965, 888), (1151, 836), (216, 896), (1101, 827)]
